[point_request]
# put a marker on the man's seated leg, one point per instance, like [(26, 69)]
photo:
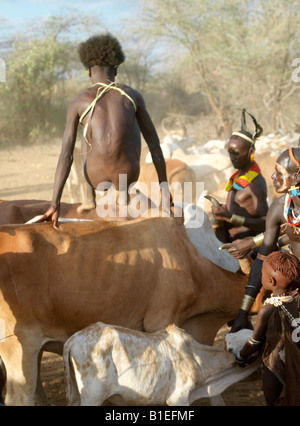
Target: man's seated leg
[(90, 199)]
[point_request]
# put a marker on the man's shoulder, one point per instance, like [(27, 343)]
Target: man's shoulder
[(81, 100), (276, 209), (259, 180), (259, 177), (85, 94), (279, 201), (135, 94), (126, 87), (256, 188)]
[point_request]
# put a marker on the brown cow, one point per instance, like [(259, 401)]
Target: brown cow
[(21, 211), (177, 172), (143, 274)]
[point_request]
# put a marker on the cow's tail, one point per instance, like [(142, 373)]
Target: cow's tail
[(73, 395)]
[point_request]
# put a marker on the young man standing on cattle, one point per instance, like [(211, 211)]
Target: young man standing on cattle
[(246, 206), (284, 210), (112, 115)]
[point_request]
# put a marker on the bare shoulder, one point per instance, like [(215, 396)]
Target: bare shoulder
[(266, 310), (279, 201), (259, 180), (257, 189), (127, 88), (259, 185), (133, 93), (276, 209), (81, 101), (263, 315), (85, 95)]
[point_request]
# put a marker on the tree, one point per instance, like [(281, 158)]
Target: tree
[(37, 66), (275, 39), (236, 53)]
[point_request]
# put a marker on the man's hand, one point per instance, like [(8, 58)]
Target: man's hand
[(242, 321), (221, 213), (166, 199), (248, 354), (51, 214), (239, 248)]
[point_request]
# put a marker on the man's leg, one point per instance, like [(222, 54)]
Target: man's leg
[(90, 195)]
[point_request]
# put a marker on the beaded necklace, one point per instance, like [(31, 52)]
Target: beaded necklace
[(281, 298), (279, 301), (240, 182), (292, 218)]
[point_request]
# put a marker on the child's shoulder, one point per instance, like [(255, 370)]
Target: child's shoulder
[(266, 311)]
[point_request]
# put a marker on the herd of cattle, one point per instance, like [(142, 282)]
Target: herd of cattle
[(151, 291)]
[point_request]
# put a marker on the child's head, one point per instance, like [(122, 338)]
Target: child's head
[(280, 271)]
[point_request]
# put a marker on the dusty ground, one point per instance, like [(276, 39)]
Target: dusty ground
[(28, 173)]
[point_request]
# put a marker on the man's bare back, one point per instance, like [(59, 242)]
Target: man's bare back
[(113, 134), (112, 127)]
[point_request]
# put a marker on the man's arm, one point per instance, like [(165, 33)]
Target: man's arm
[(273, 222), (253, 348), (253, 199), (150, 135), (240, 248), (222, 213), (64, 163)]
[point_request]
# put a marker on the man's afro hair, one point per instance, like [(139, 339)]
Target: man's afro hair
[(103, 50)]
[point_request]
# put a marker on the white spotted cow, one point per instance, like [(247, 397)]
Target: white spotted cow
[(168, 367)]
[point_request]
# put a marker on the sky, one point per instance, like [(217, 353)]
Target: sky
[(19, 12)]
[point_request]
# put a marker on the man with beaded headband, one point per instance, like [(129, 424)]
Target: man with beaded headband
[(246, 205), (284, 210), (113, 116)]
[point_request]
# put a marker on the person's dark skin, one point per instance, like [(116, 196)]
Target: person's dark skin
[(114, 133), (275, 282), (251, 202), (241, 247), (284, 176)]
